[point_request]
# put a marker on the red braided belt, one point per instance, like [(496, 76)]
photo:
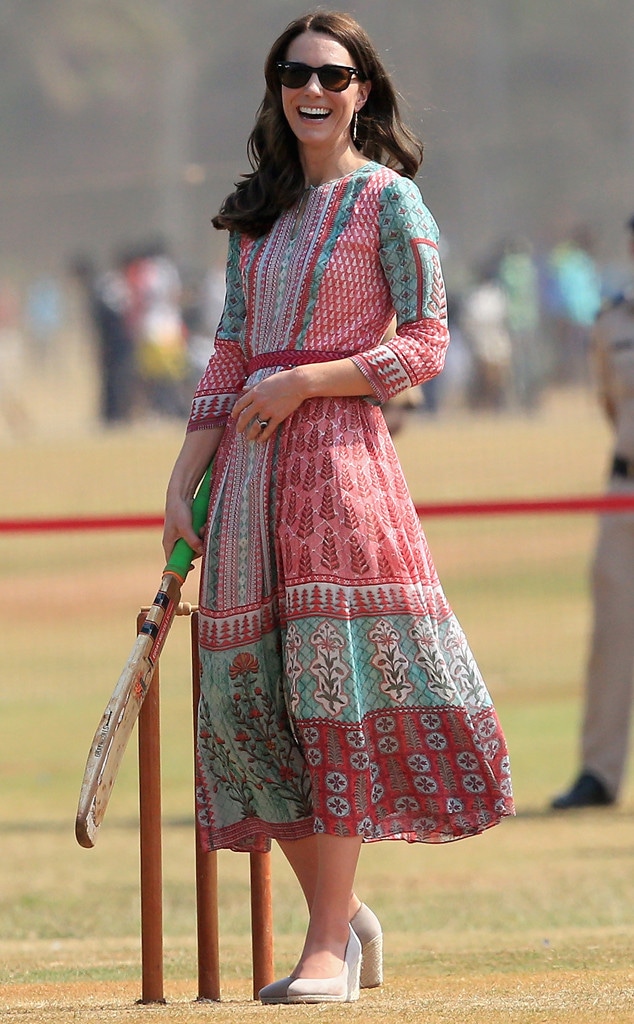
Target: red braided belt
[(290, 358)]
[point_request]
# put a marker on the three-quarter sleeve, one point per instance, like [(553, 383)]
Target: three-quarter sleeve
[(222, 381), (410, 261)]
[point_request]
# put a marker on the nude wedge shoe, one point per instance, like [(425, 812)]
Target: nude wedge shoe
[(367, 927), (344, 988)]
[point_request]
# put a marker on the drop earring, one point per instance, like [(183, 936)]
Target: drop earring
[(354, 127)]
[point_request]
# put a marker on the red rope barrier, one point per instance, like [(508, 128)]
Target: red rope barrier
[(79, 523), (511, 506), (605, 503)]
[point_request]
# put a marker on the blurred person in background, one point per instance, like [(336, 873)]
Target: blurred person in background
[(158, 328), (519, 278), (340, 701), (107, 298), (485, 328), (44, 316), (610, 670), (573, 299)]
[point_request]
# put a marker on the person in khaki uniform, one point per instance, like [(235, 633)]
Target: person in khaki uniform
[(610, 671)]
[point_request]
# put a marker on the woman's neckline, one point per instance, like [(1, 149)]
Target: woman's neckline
[(339, 177)]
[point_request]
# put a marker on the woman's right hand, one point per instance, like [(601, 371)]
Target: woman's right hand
[(178, 523)]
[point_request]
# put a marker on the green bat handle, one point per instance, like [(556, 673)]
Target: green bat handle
[(180, 560)]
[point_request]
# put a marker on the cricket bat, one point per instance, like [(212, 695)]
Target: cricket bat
[(112, 735)]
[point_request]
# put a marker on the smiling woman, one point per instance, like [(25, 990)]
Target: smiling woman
[(375, 133), (340, 702), (322, 94)]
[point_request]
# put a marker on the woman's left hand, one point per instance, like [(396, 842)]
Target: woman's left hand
[(269, 402)]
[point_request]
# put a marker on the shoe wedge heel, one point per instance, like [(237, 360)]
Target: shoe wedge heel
[(367, 926), (372, 963)]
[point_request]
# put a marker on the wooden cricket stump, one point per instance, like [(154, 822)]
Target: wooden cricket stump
[(151, 866)]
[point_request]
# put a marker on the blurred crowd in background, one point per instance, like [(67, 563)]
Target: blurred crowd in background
[(520, 324), (153, 327)]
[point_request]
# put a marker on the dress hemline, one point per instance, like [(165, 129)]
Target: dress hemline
[(254, 835)]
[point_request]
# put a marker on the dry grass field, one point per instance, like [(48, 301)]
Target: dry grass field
[(531, 922)]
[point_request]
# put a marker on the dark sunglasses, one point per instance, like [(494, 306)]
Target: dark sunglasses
[(333, 77)]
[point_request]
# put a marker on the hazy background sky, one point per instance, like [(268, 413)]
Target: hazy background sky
[(123, 118)]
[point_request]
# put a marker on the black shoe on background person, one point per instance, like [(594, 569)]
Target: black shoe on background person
[(587, 791)]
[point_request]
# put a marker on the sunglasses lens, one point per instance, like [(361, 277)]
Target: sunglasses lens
[(335, 79), (294, 76)]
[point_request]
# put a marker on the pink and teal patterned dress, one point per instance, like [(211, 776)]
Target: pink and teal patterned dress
[(338, 691)]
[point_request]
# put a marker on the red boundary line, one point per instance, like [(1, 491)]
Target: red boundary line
[(605, 503)]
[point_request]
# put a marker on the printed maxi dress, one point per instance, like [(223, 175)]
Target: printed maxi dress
[(338, 692)]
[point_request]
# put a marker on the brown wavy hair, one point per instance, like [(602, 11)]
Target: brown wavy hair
[(277, 178)]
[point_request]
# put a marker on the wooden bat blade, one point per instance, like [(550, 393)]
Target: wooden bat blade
[(110, 741), (112, 735)]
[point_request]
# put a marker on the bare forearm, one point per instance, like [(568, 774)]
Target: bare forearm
[(199, 448), (340, 377)]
